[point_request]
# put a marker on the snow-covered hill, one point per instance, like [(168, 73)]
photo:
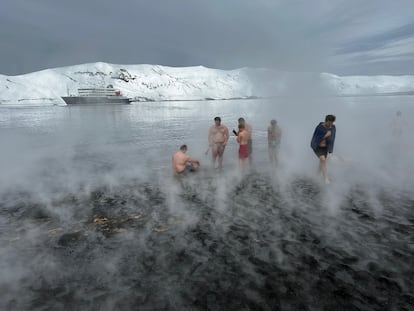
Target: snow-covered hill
[(153, 82)]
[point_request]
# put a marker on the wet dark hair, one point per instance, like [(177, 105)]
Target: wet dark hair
[(241, 120), (273, 122), (330, 117), (183, 147), (217, 119)]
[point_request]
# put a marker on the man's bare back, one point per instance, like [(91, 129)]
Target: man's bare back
[(180, 160), (243, 137)]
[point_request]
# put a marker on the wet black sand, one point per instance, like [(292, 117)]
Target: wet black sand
[(258, 245)]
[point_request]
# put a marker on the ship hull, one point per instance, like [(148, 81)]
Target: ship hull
[(95, 100)]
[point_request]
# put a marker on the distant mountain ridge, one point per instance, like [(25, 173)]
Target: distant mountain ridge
[(156, 83)]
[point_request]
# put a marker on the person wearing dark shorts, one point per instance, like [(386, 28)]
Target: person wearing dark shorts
[(321, 151), (322, 143), (189, 168)]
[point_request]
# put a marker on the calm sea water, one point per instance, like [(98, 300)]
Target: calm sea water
[(92, 219)]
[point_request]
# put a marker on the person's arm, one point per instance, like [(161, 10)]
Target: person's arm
[(318, 135), (226, 133), (195, 162), (192, 161), (331, 140), (327, 134)]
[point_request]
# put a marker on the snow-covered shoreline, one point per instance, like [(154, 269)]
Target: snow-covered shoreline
[(161, 83)]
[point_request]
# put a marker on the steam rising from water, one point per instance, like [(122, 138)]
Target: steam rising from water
[(91, 217)]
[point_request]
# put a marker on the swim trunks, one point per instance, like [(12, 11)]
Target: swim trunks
[(274, 144), (243, 151), (321, 151), (189, 168), (220, 146)]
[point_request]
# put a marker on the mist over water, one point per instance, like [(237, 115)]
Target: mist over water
[(91, 217)]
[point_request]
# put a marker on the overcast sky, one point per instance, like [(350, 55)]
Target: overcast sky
[(350, 37)]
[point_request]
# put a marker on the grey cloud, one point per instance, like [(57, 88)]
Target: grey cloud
[(299, 36), (376, 41)]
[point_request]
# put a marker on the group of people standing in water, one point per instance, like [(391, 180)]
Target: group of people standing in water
[(218, 136)]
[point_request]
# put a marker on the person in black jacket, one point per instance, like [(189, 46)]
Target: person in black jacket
[(322, 143)]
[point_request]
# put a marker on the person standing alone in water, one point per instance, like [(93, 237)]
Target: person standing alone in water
[(322, 143), (397, 125), (274, 134), (218, 135)]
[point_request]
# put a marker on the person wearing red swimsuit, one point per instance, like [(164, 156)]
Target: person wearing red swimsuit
[(242, 139)]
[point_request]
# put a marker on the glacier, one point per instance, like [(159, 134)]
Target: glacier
[(161, 83)]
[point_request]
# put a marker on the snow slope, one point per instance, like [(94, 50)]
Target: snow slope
[(153, 82)]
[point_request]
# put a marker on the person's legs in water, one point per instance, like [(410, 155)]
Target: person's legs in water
[(273, 149), (217, 153), (243, 157), (322, 154), (220, 151), (214, 154), (323, 168)]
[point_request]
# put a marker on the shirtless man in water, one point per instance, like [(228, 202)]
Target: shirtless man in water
[(218, 135), (243, 140), (322, 143), (182, 163)]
